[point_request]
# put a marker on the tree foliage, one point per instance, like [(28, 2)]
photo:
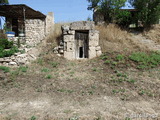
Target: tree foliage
[(148, 11), (110, 9), (4, 1)]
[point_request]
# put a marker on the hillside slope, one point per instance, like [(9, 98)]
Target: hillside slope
[(113, 86)]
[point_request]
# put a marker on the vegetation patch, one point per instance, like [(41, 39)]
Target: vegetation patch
[(5, 69), (139, 60), (7, 48), (145, 60)]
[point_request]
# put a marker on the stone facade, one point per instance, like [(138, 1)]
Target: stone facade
[(80, 41), (34, 31), (49, 23)]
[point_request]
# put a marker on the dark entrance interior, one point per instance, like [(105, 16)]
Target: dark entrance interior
[(15, 26), (82, 44)]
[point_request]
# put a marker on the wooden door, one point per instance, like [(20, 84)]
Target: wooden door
[(82, 44)]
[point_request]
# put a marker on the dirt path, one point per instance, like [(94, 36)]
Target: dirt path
[(102, 107), (150, 44)]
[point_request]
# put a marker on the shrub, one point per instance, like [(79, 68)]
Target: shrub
[(5, 69), (5, 44), (8, 53)]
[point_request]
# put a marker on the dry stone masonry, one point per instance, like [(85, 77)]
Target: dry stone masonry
[(80, 41), (36, 31)]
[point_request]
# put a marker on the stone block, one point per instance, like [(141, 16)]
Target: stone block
[(98, 48), (92, 52), (68, 38), (70, 46), (69, 55), (93, 43), (98, 53), (71, 32), (82, 25), (12, 63)]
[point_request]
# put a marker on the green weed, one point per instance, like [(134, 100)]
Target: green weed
[(5, 69), (119, 57), (40, 61), (103, 57), (107, 62), (45, 70), (23, 68), (54, 64), (145, 60), (118, 91), (33, 118), (94, 69), (48, 76)]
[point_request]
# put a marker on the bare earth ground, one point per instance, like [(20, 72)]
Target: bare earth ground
[(75, 90)]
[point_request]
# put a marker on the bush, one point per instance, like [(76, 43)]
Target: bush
[(8, 53), (5, 44)]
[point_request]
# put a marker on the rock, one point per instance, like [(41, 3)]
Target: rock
[(98, 48), (1, 59), (12, 63), (17, 53), (33, 57), (65, 29), (22, 55)]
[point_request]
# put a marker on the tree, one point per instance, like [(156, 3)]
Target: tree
[(108, 8), (148, 11), (4, 1)]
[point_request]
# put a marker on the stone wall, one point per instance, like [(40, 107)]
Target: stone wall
[(34, 31), (49, 23), (68, 48)]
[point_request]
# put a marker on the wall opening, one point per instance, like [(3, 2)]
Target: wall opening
[(80, 52), (15, 26), (82, 43)]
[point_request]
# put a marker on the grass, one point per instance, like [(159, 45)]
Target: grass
[(118, 90), (140, 60), (48, 76), (145, 60), (40, 61), (45, 70), (54, 64), (116, 39), (5, 69), (23, 68)]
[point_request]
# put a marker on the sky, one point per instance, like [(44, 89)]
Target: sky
[(64, 10)]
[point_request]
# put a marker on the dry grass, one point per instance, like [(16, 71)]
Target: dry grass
[(56, 35), (114, 39), (154, 33)]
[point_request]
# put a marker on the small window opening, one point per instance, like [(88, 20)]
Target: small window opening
[(80, 52)]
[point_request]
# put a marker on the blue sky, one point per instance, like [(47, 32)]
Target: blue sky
[(64, 10)]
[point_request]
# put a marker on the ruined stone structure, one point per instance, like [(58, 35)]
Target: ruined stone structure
[(35, 30), (30, 27), (80, 41)]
